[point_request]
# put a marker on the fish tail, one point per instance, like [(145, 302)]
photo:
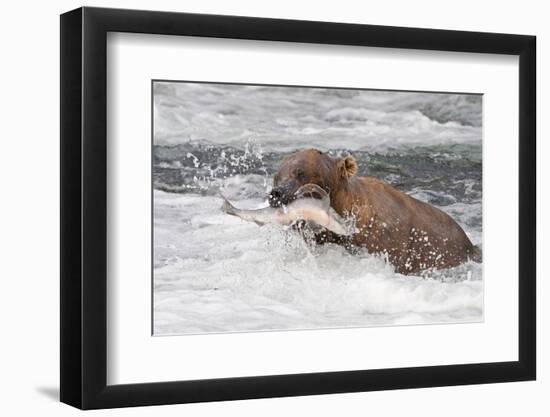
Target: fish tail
[(228, 208)]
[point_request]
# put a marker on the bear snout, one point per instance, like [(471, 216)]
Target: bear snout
[(280, 196)]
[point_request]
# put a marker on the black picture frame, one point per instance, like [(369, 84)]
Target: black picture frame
[(84, 207)]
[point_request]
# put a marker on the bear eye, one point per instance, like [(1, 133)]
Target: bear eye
[(300, 173)]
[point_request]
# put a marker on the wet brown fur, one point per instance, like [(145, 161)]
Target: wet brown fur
[(413, 235)]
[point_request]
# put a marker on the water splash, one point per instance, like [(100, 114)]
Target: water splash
[(206, 169)]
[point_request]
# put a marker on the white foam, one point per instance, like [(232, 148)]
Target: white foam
[(280, 117), (216, 273)]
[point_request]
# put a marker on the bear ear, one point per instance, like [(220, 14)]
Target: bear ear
[(347, 167)]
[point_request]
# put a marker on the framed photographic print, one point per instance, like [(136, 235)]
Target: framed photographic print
[(258, 207)]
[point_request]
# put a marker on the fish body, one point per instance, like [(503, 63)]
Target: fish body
[(315, 210)]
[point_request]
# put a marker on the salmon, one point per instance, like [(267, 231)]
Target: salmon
[(310, 209)]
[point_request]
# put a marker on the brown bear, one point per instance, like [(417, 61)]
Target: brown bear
[(413, 235)]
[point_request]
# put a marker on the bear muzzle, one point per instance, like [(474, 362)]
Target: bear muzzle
[(282, 195)]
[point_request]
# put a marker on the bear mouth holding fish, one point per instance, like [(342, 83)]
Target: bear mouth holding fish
[(313, 190)]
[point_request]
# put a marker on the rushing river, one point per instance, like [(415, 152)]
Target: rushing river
[(216, 273)]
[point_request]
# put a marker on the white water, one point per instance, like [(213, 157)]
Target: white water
[(216, 273), (283, 119)]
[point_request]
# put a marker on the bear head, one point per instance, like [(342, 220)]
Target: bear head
[(309, 166)]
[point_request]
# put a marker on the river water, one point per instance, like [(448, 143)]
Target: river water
[(216, 273)]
